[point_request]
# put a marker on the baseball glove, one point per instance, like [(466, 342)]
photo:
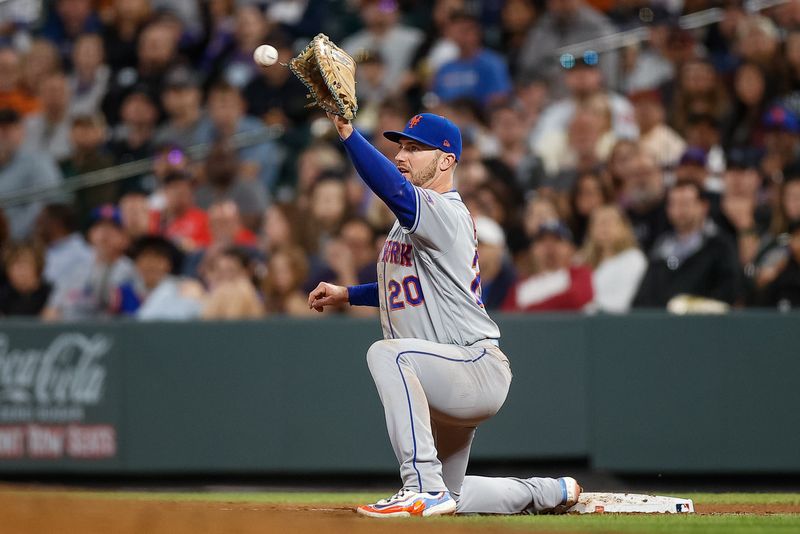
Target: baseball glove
[(329, 73)]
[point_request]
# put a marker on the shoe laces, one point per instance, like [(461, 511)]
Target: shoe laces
[(400, 495)]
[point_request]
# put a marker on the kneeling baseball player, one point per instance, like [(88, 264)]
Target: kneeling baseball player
[(439, 369)]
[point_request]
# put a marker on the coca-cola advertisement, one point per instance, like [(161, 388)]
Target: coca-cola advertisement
[(54, 397)]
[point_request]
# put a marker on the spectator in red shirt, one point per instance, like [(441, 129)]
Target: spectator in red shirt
[(557, 284), (181, 221)]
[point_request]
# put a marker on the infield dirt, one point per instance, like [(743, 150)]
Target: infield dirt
[(31, 511)]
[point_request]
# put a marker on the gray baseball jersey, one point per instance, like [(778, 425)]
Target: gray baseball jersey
[(429, 278)]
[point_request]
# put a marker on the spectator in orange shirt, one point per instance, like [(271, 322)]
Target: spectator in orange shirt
[(181, 221), (558, 284)]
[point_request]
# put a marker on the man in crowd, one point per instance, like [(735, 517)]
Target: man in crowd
[(89, 292), (558, 285), (22, 170), (693, 259), (66, 250)]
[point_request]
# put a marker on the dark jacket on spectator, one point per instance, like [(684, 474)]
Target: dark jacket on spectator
[(648, 225), (14, 303), (785, 289), (711, 271)]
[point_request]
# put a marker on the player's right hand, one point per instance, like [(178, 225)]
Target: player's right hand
[(326, 294)]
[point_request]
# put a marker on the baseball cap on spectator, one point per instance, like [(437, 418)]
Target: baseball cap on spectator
[(106, 213), (431, 130), (742, 158), (9, 116), (554, 228), (489, 232), (780, 118), (694, 155), (181, 77)]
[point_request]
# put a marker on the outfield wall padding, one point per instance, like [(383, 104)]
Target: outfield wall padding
[(643, 393)]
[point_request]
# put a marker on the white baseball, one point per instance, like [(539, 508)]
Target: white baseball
[(265, 55)]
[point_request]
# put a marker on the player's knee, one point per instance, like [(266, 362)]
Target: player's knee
[(381, 353)]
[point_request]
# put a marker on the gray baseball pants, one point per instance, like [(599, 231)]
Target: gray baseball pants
[(434, 396)]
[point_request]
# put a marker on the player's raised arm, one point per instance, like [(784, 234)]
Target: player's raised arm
[(380, 174)]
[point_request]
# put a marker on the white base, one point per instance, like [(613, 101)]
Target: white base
[(630, 503)]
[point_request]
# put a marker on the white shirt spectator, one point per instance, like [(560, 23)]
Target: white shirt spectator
[(65, 255), (616, 279)]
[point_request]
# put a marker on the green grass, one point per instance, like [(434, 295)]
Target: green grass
[(605, 523)]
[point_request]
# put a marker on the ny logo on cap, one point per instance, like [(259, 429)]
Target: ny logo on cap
[(446, 143), (414, 121)]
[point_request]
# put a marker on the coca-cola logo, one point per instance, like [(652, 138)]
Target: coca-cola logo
[(68, 372)]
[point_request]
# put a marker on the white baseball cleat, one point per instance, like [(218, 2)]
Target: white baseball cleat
[(407, 503)]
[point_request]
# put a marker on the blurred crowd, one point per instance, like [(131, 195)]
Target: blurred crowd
[(658, 167)]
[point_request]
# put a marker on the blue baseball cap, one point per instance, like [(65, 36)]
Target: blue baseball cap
[(779, 117), (106, 213), (432, 130)]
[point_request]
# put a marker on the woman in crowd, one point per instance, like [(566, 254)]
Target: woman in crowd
[(587, 194), (25, 292), (617, 263), (287, 269), (232, 294)]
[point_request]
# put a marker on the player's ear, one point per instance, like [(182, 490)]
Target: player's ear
[(448, 161)]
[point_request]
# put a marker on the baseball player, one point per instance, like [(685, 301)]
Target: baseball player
[(439, 370)]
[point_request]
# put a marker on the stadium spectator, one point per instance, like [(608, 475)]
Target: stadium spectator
[(758, 41), (134, 209), (90, 76), (182, 99), (21, 169), (234, 64), (13, 93), (648, 65), (48, 131), (181, 220), (40, 60), (478, 73), (497, 274), (557, 284), (275, 95), (231, 294), (587, 194), (742, 126), (516, 17), (221, 182), (279, 228), (655, 135), (89, 292), (693, 259), (227, 230), (156, 293), (121, 34), (617, 264), (317, 160), (642, 196), (698, 91), (395, 42), (703, 132), (583, 81), (774, 250), (783, 291), (133, 139), (226, 108), (564, 23), (519, 168), (23, 292), (87, 138), (781, 141), (68, 20), (156, 54), (65, 248), (283, 285)]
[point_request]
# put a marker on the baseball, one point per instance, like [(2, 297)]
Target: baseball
[(265, 55)]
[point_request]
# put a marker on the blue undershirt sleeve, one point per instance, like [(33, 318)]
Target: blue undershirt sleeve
[(383, 178), (363, 295)]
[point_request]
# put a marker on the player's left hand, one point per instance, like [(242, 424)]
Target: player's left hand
[(326, 294)]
